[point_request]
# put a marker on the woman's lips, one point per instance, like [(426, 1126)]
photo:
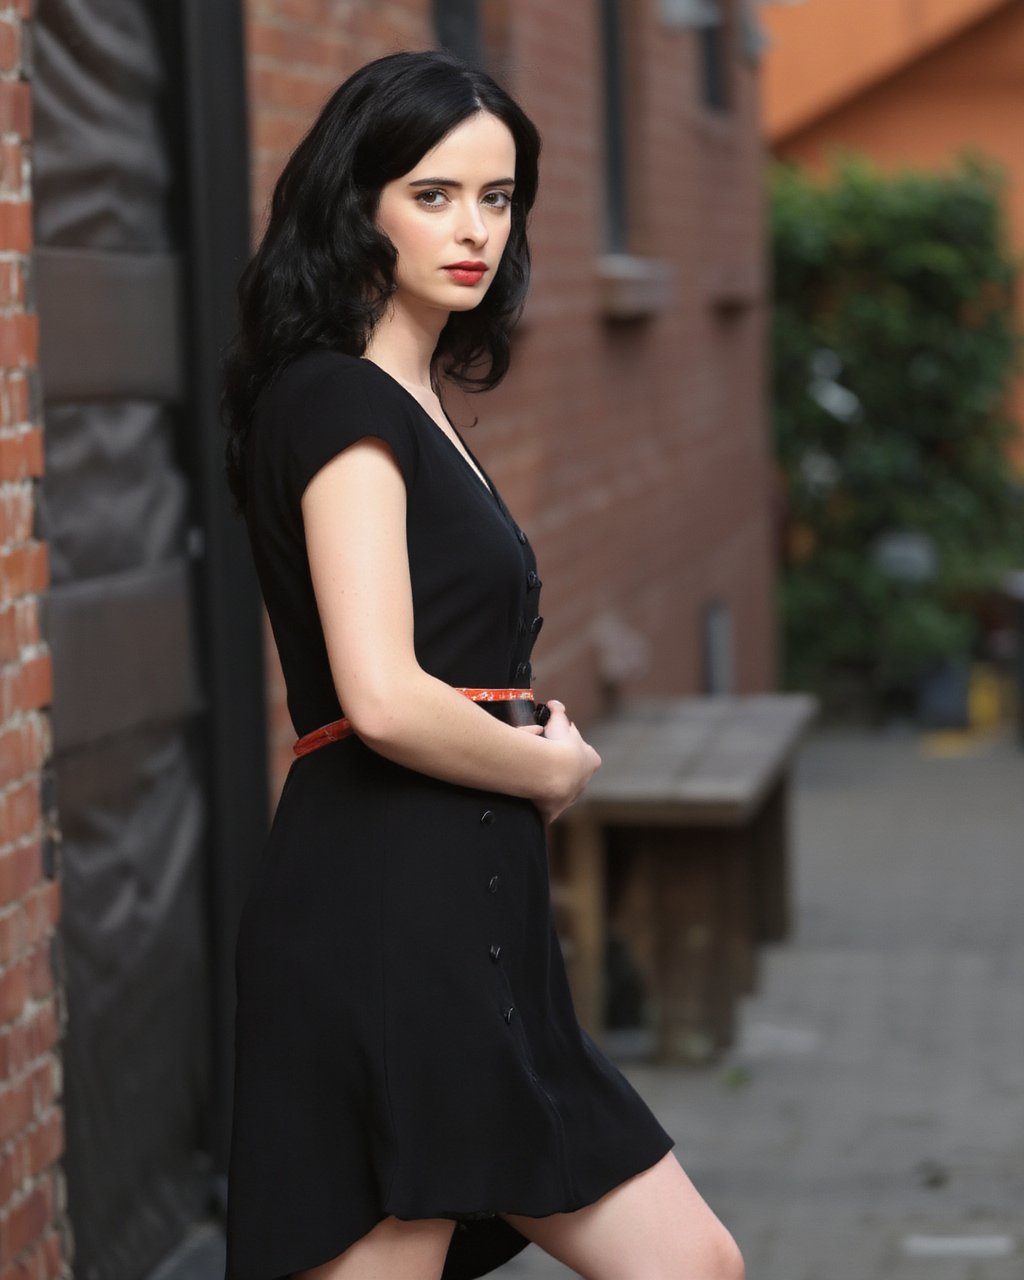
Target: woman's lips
[(463, 275)]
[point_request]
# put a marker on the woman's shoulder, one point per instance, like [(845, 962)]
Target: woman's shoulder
[(313, 373), (323, 399)]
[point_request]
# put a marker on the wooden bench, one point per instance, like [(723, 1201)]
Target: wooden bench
[(693, 790)]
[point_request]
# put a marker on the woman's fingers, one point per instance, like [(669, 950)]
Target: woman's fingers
[(557, 724)]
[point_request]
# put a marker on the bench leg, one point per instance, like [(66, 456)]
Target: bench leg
[(737, 908), (692, 985), (585, 872), (771, 866)]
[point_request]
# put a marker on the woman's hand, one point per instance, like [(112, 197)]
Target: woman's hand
[(577, 762)]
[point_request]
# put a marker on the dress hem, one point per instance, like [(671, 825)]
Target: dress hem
[(465, 1220)]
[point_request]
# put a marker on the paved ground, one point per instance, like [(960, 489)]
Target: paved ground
[(870, 1121)]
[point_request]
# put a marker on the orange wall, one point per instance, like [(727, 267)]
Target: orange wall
[(824, 51), (965, 92)]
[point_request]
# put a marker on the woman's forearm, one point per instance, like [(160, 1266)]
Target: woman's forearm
[(427, 725)]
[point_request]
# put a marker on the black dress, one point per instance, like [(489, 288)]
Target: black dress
[(405, 1038)]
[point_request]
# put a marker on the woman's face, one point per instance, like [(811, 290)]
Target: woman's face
[(453, 207)]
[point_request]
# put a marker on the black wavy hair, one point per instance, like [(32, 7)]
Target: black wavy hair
[(323, 272)]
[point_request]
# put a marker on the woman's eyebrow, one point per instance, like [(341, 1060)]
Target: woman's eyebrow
[(451, 182)]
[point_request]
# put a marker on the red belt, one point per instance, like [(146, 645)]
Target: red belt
[(338, 729)]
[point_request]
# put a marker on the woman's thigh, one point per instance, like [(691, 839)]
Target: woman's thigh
[(392, 1250), (654, 1226)]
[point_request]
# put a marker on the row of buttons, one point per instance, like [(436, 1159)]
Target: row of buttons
[(523, 672), (487, 818)]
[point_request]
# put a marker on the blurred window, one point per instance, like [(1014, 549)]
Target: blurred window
[(457, 27), (713, 36), (613, 69), (719, 649)]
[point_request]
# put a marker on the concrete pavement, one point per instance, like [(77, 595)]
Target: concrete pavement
[(869, 1123)]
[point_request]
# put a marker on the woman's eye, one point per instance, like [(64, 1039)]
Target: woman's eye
[(500, 200)]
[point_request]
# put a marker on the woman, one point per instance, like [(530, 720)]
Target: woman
[(413, 1095)]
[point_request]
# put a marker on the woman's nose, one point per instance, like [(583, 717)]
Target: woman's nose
[(472, 225)]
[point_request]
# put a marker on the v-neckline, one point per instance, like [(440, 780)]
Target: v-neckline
[(486, 484)]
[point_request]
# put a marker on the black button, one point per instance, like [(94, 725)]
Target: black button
[(495, 952), (492, 884), (531, 579), (524, 669), (536, 624), (487, 817), (520, 535), (509, 1012)]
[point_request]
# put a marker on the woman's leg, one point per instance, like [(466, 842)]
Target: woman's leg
[(393, 1250), (655, 1226)]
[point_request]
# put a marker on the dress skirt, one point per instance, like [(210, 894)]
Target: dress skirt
[(405, 1037)]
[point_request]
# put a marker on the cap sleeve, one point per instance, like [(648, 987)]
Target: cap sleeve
[(334, 409)]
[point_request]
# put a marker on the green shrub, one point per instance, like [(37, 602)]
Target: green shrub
[(894, 346)]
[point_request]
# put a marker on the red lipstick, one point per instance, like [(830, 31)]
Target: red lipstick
[(471, 271)]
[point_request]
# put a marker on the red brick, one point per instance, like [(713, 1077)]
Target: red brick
[(12, 170), (16, 513), (300, 92), (43, 1077), (11, 279), (13, 994), (20, 867), (20, 817), (43, 1029), (32, 445), (53, 1256), (15, 108), (26, 613), (309, 12), (10, 1172), (32, 687), (24, 570), (28, 1040), (12, 939), (40, 973), (17, 389), (22, 748), (295, 48), (26, 1220), (10, 44), (8, 643), (46, 1142), (19, 335)]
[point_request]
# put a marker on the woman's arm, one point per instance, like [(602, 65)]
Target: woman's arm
[(354, 511)]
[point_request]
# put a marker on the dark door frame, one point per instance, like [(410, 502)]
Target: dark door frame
[(216, 168)]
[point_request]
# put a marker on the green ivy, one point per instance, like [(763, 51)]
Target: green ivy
[(894, 345)]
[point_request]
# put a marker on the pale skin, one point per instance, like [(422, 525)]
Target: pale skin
[(655, 1226)]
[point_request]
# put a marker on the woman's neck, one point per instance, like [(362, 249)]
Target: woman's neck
[(403, 344)]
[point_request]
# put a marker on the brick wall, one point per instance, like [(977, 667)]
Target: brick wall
[(635, 454), (32, 1222)]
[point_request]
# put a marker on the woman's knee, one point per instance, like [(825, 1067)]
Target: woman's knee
[(728, 1261)]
